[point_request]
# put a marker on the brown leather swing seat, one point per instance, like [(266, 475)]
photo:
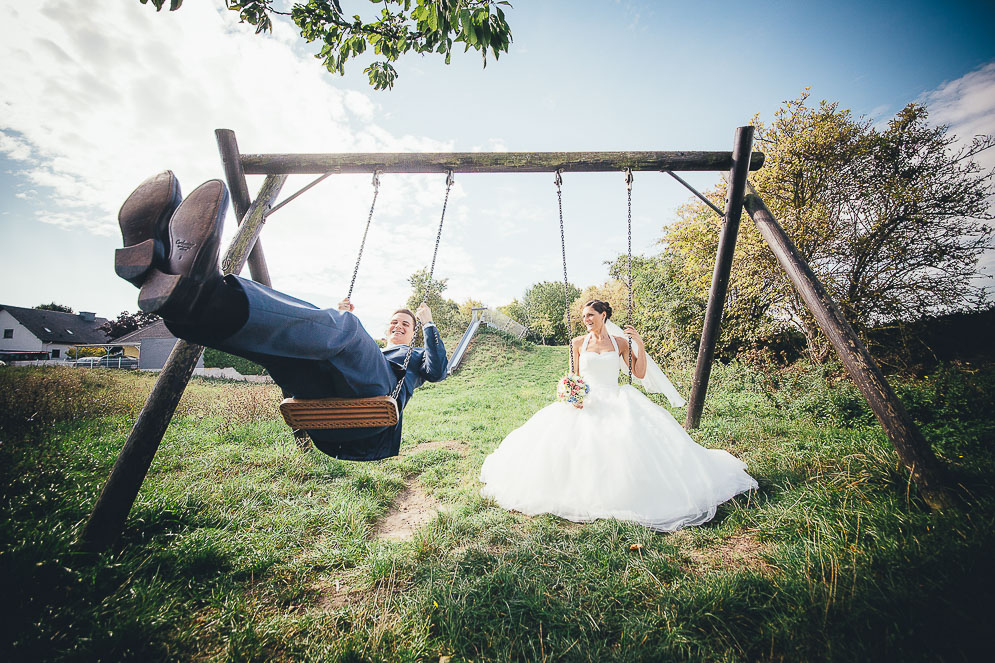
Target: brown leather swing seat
[(323, 413)]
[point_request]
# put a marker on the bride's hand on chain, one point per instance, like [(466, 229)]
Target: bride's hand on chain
[(631, 332)]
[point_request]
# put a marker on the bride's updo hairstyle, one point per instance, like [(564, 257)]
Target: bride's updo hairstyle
[(600, 307)]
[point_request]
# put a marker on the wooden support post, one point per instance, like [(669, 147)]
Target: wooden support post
[(239, 190), (720, 277), (926, 470), (111, 510)]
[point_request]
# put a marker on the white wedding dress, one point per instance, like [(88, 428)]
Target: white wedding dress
[(621, 456)]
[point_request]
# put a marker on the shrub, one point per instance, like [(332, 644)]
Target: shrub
[(218, 359), (245, 403)]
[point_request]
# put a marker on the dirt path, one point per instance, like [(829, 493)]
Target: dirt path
[(414, 508)]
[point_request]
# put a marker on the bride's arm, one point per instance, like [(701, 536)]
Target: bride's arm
[(639, 364)]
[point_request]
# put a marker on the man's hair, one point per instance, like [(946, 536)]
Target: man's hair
[(406, 311)]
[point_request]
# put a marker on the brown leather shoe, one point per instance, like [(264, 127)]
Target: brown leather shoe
[(144, 219), (190, 270)]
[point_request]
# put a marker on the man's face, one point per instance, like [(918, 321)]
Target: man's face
[(401, 329)]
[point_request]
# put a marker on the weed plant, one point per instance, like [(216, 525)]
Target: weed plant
[(240, 547)]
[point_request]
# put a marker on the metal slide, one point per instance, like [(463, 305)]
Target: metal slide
[(464, 343)]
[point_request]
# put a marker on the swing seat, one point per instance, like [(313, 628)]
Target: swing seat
[(322, 413)]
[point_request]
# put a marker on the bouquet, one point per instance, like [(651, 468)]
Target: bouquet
[(572, 389)]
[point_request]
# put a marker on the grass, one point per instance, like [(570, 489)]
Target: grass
[(240, 547)]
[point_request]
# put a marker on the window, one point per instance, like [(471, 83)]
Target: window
[(47, 329), (70, 331), (55, 354), (8, 333)]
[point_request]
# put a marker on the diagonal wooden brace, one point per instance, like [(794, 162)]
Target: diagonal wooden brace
[(926, 470)]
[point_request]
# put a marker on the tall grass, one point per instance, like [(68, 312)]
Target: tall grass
[(240, 547)]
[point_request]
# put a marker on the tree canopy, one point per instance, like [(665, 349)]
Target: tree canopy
[(128, 322), (543, 311), (891, 218), (400, 27), (445, 312), (55, 307)]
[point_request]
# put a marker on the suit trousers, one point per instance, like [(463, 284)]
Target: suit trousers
[(310, 352)]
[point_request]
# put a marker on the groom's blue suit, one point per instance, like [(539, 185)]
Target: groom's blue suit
[(321, 353)]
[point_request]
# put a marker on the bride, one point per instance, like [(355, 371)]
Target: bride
[(618, 454)]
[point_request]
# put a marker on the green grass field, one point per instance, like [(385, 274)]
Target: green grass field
[(241, 547)]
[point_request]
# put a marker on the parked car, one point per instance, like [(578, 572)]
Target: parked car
[(106, 362)]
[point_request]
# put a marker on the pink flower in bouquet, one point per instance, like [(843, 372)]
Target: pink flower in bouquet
[(572, 389)]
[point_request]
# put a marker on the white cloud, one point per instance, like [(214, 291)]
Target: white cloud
[(108, 93), (15, 148), (967, 105)]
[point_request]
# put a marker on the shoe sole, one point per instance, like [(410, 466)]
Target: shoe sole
[(143, 215), (194, 237)]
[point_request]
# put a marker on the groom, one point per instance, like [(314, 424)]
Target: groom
[(171, 253)]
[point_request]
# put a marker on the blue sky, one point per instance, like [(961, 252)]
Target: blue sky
[(97, 96)]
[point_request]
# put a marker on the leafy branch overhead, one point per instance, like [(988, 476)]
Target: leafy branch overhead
[(401, 26)]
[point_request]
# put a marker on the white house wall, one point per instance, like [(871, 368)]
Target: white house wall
[(23, 340), (153, 353), (63, 350)]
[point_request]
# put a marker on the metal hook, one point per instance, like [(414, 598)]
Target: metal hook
[(558, 180), (628, 179), (449, 178), (376, 180)]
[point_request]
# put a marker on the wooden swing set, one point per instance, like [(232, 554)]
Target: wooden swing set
[(107, 520)]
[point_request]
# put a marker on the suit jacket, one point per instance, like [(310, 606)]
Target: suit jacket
[(428, 364)]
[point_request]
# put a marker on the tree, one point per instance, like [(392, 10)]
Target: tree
[(750, 320), (545, 309), (466, 309), (430, 26), (892, 221), (445, 312), (55, 307), (127, 323), (667, 311), (515, 311)]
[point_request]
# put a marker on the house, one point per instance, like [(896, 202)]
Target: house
[(30, 333), (151, 344)]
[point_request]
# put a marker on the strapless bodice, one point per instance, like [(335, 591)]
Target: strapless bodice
[(600, 371)]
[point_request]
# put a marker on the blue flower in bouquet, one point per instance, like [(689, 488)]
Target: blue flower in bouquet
[(572, 389)]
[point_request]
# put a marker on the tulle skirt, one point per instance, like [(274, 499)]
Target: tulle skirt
[(621, 456)]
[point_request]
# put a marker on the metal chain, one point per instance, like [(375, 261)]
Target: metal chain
[(362, 245), (428, 285), (438, 236), (628, 317), (558, 180)]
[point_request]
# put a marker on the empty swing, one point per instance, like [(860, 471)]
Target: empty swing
[(370, 411)]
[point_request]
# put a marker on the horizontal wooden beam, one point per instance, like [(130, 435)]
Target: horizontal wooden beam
[(488, 162)]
